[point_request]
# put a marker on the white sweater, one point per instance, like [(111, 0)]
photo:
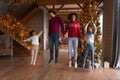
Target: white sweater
[(34, 39)]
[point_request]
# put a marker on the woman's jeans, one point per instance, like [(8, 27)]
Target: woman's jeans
[(89, 47), (54, 41), (72, 43)]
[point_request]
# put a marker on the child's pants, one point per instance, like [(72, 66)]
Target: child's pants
[(34, 53), (91, 48)]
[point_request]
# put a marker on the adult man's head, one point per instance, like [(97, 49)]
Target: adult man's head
[(52, 13)]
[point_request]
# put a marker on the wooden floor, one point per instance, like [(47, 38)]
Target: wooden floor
[(20, 69)]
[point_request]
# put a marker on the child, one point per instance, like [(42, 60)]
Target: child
[(34, 39), (89, 35)]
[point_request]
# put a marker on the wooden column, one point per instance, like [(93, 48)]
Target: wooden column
[(107, 29)]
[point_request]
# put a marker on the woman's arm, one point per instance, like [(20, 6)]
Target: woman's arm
[(66, 29)]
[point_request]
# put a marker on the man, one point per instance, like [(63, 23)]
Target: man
[(54, 26)]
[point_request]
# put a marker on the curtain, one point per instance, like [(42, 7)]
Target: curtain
[(3, 8), (6, 42), (116, 36)]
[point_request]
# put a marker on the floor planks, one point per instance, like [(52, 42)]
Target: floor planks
[(20, 69)]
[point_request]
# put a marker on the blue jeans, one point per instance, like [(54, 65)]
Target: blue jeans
[(72, 43), (91, 48), (54, 41)]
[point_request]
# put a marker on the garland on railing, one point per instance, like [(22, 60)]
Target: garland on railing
[(15, 29)]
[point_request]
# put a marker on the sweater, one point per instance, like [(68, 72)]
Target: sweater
[(54, 25), (73, 29)]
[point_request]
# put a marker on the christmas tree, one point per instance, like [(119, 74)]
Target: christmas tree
[(90, 12)]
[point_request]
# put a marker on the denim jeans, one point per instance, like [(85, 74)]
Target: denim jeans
[(91, 48), (72, 43), (54, 41)]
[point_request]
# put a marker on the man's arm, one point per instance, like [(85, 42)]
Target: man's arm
[(62, 26)]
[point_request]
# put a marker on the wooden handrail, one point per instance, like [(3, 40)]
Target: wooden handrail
[(15, 30)]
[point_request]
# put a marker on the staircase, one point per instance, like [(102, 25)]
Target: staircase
[(15, 30), (30, 15), (20, 8)]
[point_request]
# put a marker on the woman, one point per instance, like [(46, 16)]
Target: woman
[(73, 29)]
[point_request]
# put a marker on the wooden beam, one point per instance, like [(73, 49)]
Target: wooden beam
[(60, 7), (100, 8), (49, 2), (69, 9), (69, 12), (59, 2), (99, 3), (53, 6), (46, 7), (80, 6), (57, 9)]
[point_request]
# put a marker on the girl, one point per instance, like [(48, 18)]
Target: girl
[(34, 39), (89, 36)]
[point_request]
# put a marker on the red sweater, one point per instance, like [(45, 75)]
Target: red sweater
[(54, 25), (73, 29)]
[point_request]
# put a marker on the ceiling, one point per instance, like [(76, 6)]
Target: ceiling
[(59, 2), (61, 6), (67, 6)]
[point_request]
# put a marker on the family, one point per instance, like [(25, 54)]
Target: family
[(74, 33)]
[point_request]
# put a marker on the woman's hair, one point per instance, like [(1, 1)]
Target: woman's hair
[(31, 32), (52, 11), (70, 16)]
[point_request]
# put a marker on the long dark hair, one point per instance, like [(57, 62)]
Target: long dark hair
[(70, 16)]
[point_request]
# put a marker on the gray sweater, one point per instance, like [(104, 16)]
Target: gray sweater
[(90, 36)]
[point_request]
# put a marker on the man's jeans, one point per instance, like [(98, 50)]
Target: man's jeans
[(91, 48), (72, 43), (54, 41)]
